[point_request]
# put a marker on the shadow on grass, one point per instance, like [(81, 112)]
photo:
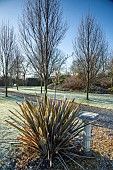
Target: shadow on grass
[(97, 162)]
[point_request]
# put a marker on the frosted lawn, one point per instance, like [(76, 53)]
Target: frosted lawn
[(97, 100), (7, 132)]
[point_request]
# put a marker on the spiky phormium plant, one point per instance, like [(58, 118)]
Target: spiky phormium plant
[(48, 130)]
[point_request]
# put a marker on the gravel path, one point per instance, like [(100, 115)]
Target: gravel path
[(105, 116)]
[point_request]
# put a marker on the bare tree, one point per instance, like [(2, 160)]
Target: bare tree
[(7, 40), (90, 50), (75, 70), (25, 68), (17, 69), (109, 67), (42, 29), (21, 67), (56, 63)]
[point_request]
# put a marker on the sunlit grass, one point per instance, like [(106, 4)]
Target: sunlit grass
[(97, 100), (6, 131), (7, 104)]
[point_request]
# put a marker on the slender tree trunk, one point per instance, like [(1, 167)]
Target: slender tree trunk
[(45, 89), (88, 62), (41, 85), (111, 82), (17, 86), (6, 88), (24, 80), (6, 92), (88, 85), (55, 90), (17, 82), (87, 94)]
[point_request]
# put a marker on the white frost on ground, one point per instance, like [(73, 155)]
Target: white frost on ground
[(97, 100), (7, 132)]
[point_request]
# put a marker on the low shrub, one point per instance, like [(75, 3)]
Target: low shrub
[(74, 83), (48, 131), (110, 89)]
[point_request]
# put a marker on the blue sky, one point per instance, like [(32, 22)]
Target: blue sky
[(73, 11)]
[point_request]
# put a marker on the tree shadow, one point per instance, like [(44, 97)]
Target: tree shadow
[(97, 162)]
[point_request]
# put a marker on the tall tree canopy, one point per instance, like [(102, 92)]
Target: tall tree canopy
[(90, 48), (42, 29), (7, 44)]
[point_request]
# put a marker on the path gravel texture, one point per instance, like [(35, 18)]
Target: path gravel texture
[(105, 116)]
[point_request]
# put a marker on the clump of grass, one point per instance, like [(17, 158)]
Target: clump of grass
[(48, 131)]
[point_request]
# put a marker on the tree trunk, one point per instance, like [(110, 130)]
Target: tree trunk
[(45, 89), (17, 87), (55, 90), (17, 83), (111, 82), (24, 80), (6, 91), (87, 85), (41, 85), (87, 93), (6, 88)]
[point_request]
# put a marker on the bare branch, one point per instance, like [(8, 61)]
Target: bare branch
[(90, 49)]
